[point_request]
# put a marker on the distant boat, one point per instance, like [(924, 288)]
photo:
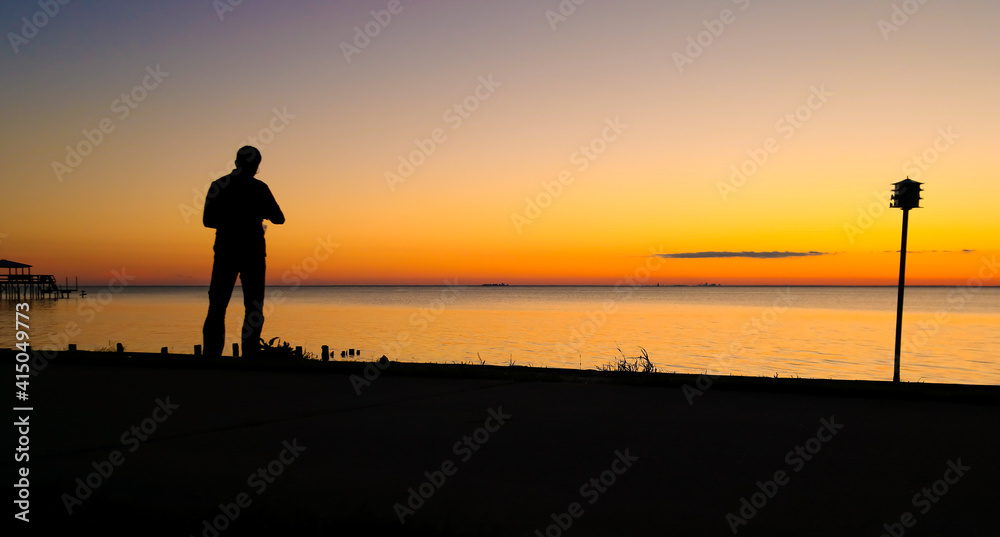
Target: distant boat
[(494, 285)]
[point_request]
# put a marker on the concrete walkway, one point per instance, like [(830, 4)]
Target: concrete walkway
[(237, 451)]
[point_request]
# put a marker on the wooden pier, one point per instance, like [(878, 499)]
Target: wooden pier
[(20, 284)]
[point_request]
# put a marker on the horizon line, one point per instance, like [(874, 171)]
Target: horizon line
[(553, 285)]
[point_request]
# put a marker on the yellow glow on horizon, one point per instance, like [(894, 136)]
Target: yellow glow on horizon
[(920, 103)]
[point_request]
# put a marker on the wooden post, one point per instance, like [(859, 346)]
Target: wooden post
[(120, 347), (899, 296), (163, 350), (350, 352), (72, 347), (298, 352), (197, 350), (236, 350), (326, 353)]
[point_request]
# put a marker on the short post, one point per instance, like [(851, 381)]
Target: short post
[(350, 352), (236, 350), (905, 196), (163, 350), (298, 352), (72, 347), (197, 350), (120, 348), (326, 353)]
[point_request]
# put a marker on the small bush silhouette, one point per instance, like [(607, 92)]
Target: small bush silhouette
[(110, 347), (282, 351), (625, 364)]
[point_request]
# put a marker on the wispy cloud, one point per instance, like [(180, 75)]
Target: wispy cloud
[(754, 255)]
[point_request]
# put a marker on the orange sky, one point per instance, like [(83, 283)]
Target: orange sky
[(819, 105)]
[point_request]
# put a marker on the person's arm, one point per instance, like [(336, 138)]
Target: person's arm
[(211, 217), (271, 210)]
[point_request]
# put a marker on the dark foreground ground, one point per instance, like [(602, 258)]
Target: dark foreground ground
[(498, 451)]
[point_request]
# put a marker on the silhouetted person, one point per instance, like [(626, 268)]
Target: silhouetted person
[(236, 206)]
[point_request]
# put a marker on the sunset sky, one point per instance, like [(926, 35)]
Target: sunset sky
[(432, 147)]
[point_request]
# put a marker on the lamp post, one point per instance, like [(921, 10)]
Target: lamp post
[(905, 196)]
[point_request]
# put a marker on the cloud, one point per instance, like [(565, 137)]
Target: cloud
[(754, 255)]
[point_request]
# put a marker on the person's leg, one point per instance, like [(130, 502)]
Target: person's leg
[(220, 290), (252, 278)]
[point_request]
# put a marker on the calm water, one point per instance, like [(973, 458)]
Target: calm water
[(951, 335)]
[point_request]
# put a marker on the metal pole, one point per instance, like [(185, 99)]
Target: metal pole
[(899, 297)]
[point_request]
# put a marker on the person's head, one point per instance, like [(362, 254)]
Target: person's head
[(247, 160)]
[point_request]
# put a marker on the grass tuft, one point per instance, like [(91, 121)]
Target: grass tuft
[(626, 364), (281, 351)]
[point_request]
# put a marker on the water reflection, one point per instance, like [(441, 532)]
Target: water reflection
[(809, 332)]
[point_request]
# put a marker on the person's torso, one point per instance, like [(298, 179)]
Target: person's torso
[(241, 205)]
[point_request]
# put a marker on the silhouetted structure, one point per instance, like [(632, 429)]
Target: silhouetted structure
[(236, 206), (905, 196), (20, 284)]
